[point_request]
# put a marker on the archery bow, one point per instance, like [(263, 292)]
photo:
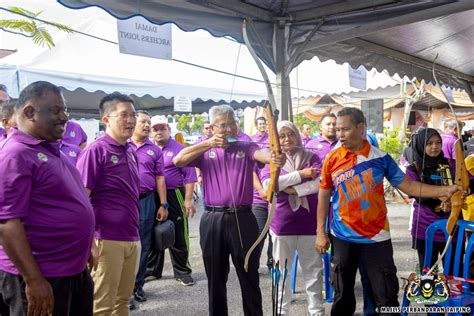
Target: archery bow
[(274, 143), (461, 177)]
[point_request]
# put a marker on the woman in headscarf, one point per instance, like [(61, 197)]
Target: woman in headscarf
[(293, 227), (427, 164)]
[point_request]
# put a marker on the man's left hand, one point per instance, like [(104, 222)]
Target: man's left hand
[(449, 191), (162, 214)]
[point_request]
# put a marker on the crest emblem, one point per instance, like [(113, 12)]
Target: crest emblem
[(169, 154), (73, 134), (150, 152), (240, 154), (114, 159), (72, 154), (42, 157), (212, 154)]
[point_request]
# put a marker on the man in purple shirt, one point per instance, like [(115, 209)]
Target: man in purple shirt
[(4, 97), (75, 135), (327, 140), (206, 131), (150, 170), (228, 226), (261, 136), (8, 118), (449, 137), (109, 172), (179, 189), (46, 219), (70, 151), (305, 130)]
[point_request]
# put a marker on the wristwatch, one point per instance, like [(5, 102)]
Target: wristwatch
[(165, 205)]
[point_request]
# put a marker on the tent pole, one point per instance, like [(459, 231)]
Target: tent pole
[(280, 51)]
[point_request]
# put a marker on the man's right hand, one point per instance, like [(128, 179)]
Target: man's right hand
[(218, 140), (309, 173), (322, 242), (40, 298)]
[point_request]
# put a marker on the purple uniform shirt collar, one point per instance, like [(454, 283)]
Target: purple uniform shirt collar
[(110, 141), (27, 139)]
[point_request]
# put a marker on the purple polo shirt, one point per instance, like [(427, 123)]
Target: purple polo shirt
[(300, 222), (176, 177), (40, 187), (448, 145), (74, 134), (227, 178), (305, 140), (150, 164), (70, 151), (2, 131), (262, 141), (320, 146), (110, 171)]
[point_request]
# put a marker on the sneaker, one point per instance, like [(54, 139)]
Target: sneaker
[(131, 304), (139, 295), (185, 280)]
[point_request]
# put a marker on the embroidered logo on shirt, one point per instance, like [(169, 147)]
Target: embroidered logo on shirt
[(212, 154), (320, 146), (169, 154), (72, 154), (42, 157), (73, 134), (150, 152), (114, 159), (240, 154)]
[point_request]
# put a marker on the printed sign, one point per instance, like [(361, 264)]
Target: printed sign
[(183, 104), (358, 77)]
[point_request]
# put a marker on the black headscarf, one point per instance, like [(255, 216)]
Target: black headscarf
[(415, 155)]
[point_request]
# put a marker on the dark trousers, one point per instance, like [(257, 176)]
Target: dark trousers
[(179, 253), (369, 301), (261, 214), (377, 259), (219, 239), (73, 295), (147, 219)]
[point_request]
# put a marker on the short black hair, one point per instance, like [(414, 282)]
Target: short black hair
[(143, 112), (207, 122), (108, 103), (8, 108), (357, 116), (3, 88), (36, 90), (327, 115), (260, 118)]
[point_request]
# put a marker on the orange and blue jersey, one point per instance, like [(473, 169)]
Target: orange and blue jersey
[(356, 181)]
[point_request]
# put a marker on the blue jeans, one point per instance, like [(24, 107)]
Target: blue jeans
[(147, 214)]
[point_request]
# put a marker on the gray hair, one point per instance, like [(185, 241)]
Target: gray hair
[(218, 110), (451, 124)]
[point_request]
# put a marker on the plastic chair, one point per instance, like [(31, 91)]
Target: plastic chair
[(326, 272), (466, 298)]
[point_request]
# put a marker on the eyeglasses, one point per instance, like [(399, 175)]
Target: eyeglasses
[(287, 135), (125, 115), (224, 125), (206, 127)]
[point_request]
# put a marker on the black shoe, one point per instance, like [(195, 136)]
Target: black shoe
[(131, 305), (139, 295), (270, 264), (185, 280)]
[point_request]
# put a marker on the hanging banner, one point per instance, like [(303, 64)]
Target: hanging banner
[(183, 104), (358, 77), (448, 93), (137, 36)]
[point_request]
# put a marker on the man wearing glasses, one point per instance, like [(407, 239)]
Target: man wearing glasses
[(109, 172), (206, 131), (228, 226)]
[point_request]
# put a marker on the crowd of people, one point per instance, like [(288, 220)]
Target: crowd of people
[(77, 219)]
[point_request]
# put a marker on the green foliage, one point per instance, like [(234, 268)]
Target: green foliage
[(198, 124), (184, 123), (392, 144), (35, 29), (300, 119)]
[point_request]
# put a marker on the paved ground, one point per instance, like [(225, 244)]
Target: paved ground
[(168, 297)]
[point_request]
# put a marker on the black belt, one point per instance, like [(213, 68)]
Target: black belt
[(144, 194), (229, 209)]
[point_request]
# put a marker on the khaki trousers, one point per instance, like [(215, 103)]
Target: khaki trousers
[(115, 276)]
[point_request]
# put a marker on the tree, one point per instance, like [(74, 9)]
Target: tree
[(300, 119), (184, 123), (34, 28), (198, 124)]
